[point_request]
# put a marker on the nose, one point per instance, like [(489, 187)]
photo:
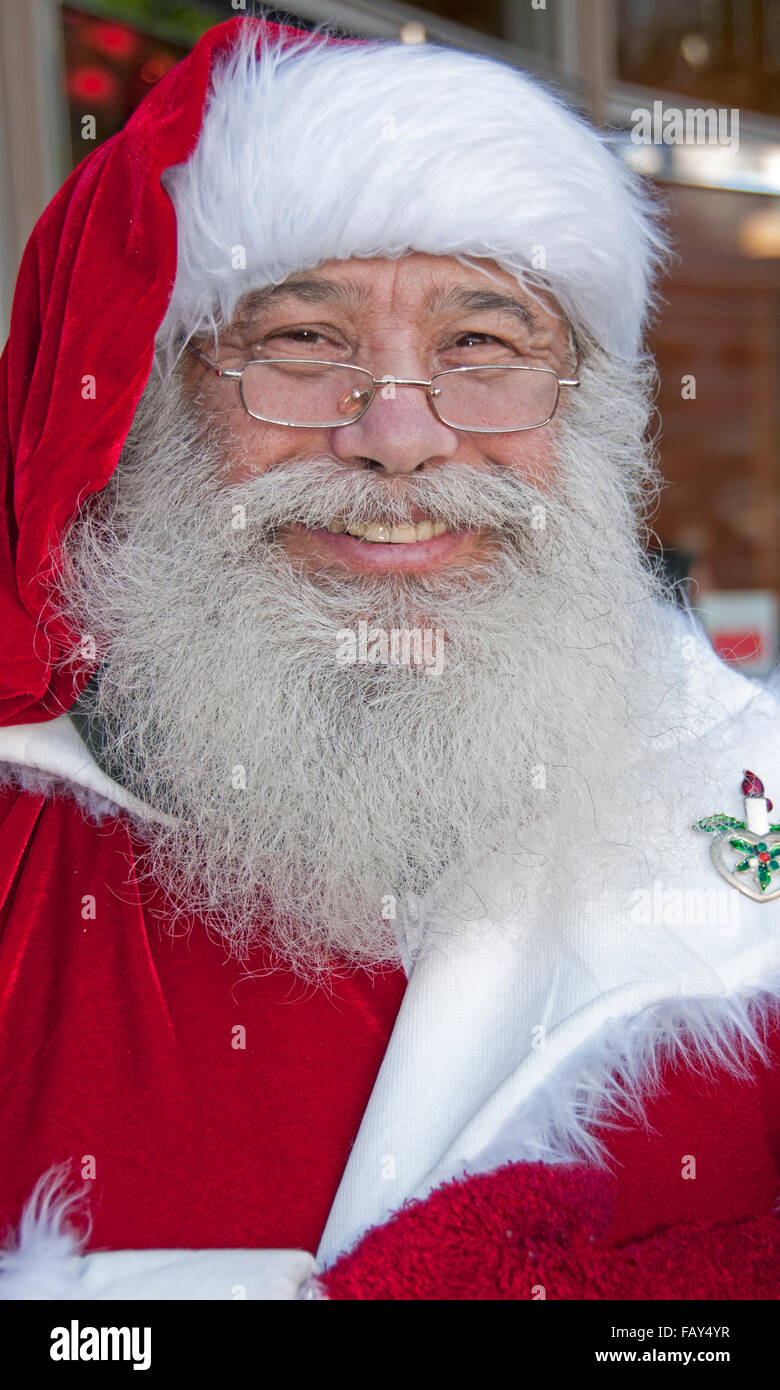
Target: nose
[(399, 432)]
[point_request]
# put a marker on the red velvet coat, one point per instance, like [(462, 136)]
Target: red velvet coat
[(217, 1109), (210, 1109)]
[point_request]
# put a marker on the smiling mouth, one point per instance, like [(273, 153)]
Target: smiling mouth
[(377, 534)]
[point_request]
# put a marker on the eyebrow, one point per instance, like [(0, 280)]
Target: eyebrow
[(311, 291), (480, 301), (352, 296)]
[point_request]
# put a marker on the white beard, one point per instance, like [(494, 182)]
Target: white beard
[(312, 795)]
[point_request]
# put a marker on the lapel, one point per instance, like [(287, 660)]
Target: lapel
[(507, 1043), (500, 1047)]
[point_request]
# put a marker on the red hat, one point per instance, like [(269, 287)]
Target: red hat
[(93, 288), (480, 160)]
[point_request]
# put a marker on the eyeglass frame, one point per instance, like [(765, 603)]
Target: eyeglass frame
[(376, 382)]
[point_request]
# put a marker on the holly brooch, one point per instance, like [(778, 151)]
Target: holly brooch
[(747, 852)]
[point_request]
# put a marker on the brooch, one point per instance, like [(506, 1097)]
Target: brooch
[(747, 852)]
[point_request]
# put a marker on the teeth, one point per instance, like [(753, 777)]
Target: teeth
[(375, 533), (404, 535)]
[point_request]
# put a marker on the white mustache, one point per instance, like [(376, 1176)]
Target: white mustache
[(312, 491)]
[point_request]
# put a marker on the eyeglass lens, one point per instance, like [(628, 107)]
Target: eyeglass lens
[(313, 394)]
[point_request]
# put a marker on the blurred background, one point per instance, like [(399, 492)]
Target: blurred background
[(689, 92)]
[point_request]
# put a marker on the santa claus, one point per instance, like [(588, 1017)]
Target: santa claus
[(388, 910)]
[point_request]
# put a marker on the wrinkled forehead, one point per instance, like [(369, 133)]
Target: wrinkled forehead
[(416, 289)]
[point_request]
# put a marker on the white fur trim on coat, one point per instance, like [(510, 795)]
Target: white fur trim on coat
[(47, 1262), (610, 1079), (379, 149)]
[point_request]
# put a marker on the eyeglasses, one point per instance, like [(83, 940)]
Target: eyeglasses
[(307, 393)]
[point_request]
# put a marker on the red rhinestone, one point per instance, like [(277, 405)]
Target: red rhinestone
[(752, 785), (765, 858)]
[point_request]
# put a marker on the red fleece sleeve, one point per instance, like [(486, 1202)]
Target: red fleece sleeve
[(531, 1231)]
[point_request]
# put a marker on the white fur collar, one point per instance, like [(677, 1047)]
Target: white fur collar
[(46, 1263)]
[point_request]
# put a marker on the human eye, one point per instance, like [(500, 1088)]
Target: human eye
[(475, 346), (479, 337), (301, 337)]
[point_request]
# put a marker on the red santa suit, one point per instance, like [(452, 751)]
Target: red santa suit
[(591, 1110)]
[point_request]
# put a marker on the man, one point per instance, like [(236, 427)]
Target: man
[(353, 749)]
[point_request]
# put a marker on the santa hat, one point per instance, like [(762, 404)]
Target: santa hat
[(313, 147), (92, 290), (310, 153)]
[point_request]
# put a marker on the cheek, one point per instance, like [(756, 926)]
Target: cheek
[(250, 450), (255, 447), (533, 455), (250, 447)]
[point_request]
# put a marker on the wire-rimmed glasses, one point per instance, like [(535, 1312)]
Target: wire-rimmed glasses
[(310, 393)]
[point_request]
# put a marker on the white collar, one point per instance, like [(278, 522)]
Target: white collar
[(506, 1049), (53, 753)]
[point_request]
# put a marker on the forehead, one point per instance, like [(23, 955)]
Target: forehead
[(417, 283), (414, 272)]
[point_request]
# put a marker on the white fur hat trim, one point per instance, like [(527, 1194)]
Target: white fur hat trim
[(315, 152)]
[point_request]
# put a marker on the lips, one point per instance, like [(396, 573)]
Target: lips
[(374, 554), (377, 534)]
